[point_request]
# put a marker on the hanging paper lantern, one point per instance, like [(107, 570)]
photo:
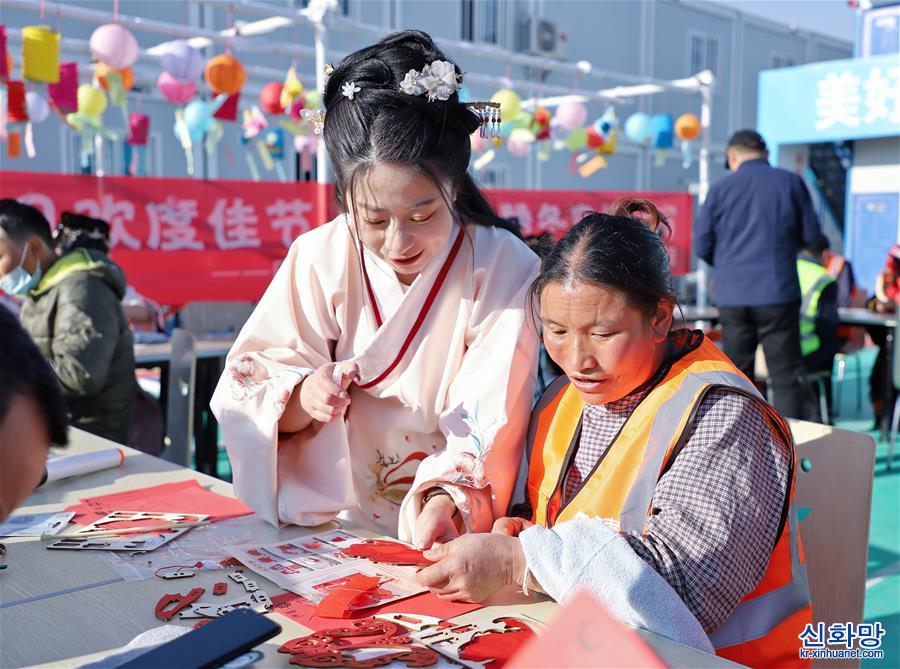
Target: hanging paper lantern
[(91, 100), (181, 60), (638, 128), (291, 90), (607, 123), (138, 129), (296, 108), (40, 54), (225, 74), (101, 71), (577, 139), (557, 132), (64, 93), (16, 107), (609, 146), (270, 98), (663, 127), (114, 45), (176, 92), (518, 148), (38, 109), (274, 140), (229, 109), (10, 65), (510, 104), (311, 100), (198, 116), (571, 114), (595, 140), (687, 127), (5, 57)]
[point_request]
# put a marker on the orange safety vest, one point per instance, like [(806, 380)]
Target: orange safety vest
[(763, 629)]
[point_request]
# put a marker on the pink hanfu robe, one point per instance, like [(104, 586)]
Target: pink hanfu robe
[(452, 413)]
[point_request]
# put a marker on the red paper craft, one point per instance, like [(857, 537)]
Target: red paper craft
[(334, 647), (163, 612), (339, 601), (388, 552), (180, 497), (301, 611), (583, 634), (220, 588), (495, 649)]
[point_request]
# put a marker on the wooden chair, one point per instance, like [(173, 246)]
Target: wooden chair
[(834, 483)]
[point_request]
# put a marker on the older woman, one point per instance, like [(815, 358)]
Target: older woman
[(655, 466)]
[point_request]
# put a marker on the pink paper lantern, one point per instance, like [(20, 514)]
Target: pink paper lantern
[(571, 115), (64, 94), (518, 147), (4, 61), (115, 46), (176, 92)]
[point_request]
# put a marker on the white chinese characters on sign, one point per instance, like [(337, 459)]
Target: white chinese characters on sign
[(235, 225), (115, 212), (519, 211), (844, 99), (550, 219), (172, 225), (43, 202), (289, 216)]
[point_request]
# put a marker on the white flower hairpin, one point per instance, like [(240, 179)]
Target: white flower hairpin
[(438, 81), (350, 89)]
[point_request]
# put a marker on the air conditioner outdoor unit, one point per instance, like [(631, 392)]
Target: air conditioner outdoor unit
[(542, 37)]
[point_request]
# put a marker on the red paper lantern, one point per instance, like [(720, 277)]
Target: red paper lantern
[(225, 74), (5, 57), (270, 98), (64, 94), (138, 129), (16, 108)]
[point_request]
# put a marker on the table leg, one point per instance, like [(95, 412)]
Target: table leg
[(206, 429)]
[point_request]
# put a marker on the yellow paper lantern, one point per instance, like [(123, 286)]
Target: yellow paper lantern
[(510, 103), (40, 54), (91, 100)]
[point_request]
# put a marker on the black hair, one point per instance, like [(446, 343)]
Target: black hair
[(20, 221), (617, 250), (77, 231), (24, 371), (382, 124), (818, 245)]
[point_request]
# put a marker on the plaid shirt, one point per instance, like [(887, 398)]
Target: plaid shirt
[(716, 512)]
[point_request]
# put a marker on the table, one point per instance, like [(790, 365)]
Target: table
[(61, 608), (210, 354)]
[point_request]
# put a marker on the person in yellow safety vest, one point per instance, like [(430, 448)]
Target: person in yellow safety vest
[(819, 319), (655, 466)]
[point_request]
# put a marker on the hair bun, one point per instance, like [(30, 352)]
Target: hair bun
[(643, 210)]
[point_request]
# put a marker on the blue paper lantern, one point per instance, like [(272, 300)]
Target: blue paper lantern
[(663, 130), (638, 128)]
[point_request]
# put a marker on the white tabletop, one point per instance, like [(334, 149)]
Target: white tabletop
[(162, 351), (848, 315), (63, 608)]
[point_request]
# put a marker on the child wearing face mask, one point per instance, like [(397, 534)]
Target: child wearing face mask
[(71, 309), (387, 373)]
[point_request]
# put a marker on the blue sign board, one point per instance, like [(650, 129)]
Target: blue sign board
[(831, 101)]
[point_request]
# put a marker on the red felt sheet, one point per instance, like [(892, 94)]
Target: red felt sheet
[(180, 497)]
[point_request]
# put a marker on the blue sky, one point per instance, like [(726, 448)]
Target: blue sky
[(831, 17)]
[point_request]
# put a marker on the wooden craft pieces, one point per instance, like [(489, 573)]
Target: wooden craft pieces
[(249, 584), (258, 601), (164, 610), (342, 647), (387, 552)]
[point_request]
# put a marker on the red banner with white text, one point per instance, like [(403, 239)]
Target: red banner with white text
[(185, 240)]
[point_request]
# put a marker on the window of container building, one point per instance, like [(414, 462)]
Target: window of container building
[(703, 53), (482, 21)]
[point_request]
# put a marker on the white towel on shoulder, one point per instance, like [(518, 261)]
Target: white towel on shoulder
[(587, 552)]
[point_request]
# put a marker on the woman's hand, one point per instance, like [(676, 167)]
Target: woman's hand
[(321, 397), (473, 567), (510, 526), (435, 523)]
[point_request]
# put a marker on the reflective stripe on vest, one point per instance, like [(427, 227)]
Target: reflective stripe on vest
[(754, 618), (813, 281)]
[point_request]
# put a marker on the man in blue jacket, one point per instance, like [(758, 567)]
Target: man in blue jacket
[(751, 227)]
